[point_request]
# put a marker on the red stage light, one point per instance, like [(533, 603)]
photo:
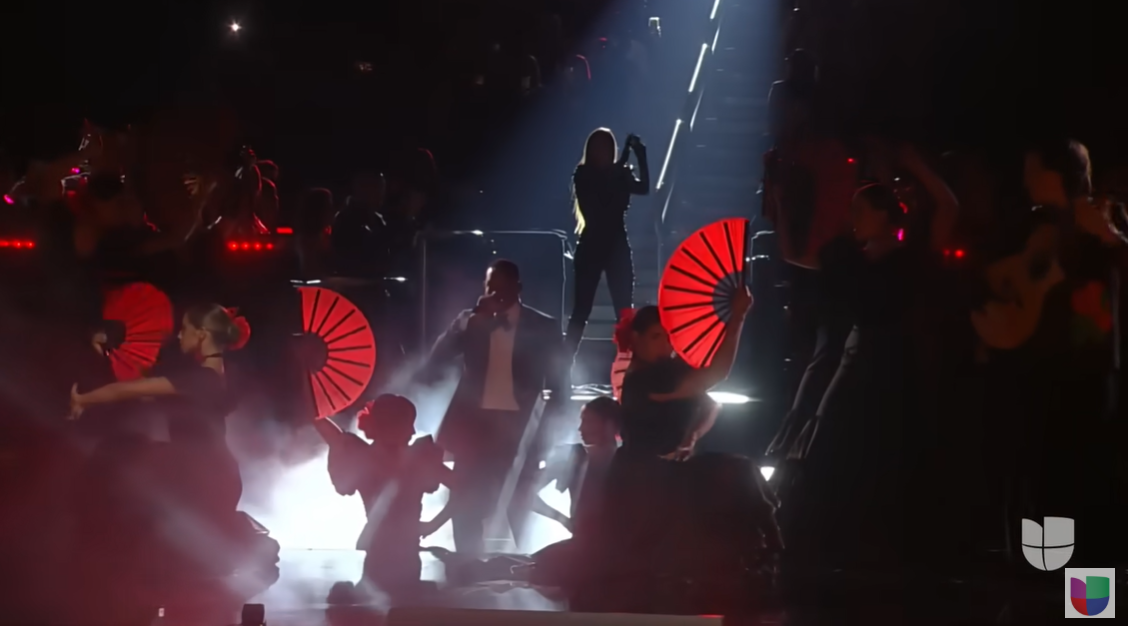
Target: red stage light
[(284, 230), (248, 246), (959, 254), (9, 199), (20, 244)]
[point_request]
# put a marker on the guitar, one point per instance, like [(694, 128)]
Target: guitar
[(1019, 284)]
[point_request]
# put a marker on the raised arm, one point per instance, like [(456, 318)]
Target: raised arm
[(329, 431), (640, 186), (947, 206), (775, 210), (700, 381), (128, 390)]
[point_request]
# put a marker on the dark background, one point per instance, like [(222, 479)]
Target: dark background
[(952, 73)]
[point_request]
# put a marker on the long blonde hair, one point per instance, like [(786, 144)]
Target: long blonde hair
[(576, 211)]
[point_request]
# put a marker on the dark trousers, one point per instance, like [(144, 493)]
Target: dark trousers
[(492, 473), (596, 256)]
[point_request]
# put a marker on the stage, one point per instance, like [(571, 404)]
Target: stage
[(317, 588)]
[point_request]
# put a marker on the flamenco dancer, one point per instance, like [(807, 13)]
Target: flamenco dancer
[(858, 501), (665, 411), (392, 474), (196, 467), (602, 188)]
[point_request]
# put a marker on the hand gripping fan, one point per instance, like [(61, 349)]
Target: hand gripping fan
[(145, 314), (697, 287), (618, 373), (339, 349)]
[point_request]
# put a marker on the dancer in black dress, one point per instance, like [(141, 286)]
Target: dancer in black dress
[(715, 509), (200, 483), (392, 474), (852, 502), (602, 188)]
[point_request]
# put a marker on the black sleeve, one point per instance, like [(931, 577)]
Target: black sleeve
[(679, 369), (195, 382)]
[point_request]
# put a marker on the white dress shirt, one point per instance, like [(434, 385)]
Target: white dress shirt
[(498, 393)]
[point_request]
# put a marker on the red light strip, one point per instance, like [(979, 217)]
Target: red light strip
[(249, 246), (19, 244)]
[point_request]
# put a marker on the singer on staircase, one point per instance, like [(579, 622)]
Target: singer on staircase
[(602, 188)]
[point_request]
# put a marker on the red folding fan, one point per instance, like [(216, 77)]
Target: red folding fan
[(146, 314), (341, 349), (696, 291)]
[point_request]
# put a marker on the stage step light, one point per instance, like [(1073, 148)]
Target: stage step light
[(249, 246)]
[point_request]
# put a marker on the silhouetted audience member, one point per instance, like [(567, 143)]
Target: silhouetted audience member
[(359, 229), (312, 229)]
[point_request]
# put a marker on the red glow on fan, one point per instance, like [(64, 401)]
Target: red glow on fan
[(146, 313), (345, 358), (697, 287), (18, 244)]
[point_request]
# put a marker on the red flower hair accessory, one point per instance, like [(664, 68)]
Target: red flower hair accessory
[(244, 329), (623, 330)]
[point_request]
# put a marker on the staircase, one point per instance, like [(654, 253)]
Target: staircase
[(716, 172), (712, 164)]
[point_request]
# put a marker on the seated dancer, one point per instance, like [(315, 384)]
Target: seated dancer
[(581, 470), (666, 409), (392, 474), (196, 468)]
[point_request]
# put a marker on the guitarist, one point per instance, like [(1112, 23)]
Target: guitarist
[(1052, 334)]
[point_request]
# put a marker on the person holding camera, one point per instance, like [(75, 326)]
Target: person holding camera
[(601, 189)]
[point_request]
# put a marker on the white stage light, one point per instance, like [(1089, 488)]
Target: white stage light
[(726, 397), (767, 472)]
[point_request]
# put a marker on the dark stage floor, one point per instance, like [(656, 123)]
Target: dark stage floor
[(316, 588)]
